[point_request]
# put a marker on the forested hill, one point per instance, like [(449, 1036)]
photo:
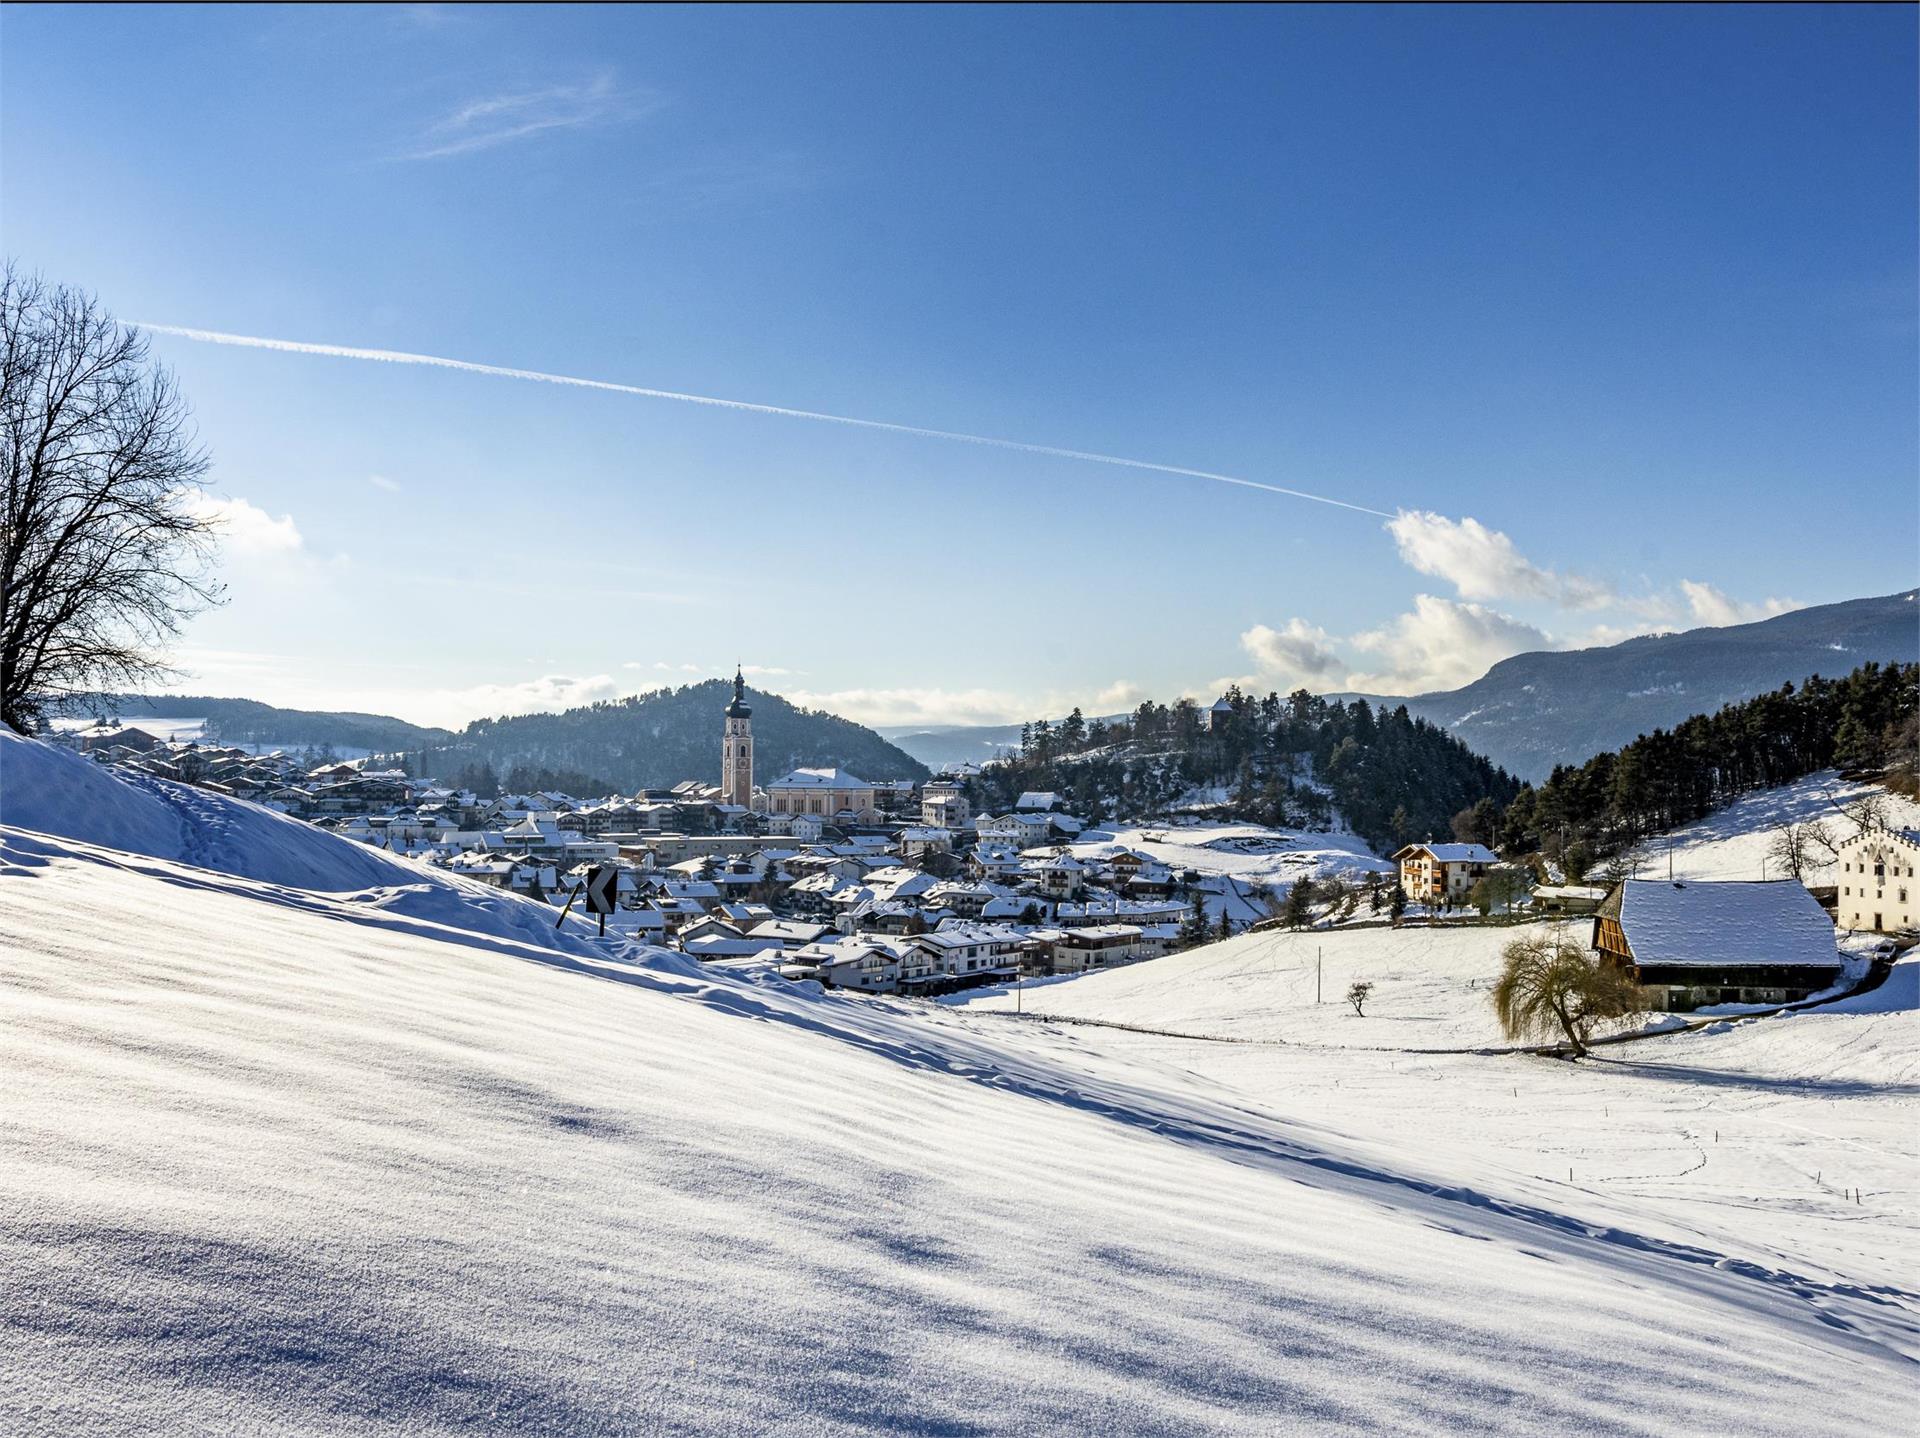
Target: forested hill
[(1868, 722), (1534, 711), (1286, 762), (654, 740), (247, 721)]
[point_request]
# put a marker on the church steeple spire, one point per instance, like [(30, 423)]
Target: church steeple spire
[(736, 746), (738, 708)]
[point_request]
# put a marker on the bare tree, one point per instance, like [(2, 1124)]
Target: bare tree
[(1548, 985), (103, 553), (1867, 810), (1798, 848), (1357, 994)]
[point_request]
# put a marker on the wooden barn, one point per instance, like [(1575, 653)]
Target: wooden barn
[(1694, 943)]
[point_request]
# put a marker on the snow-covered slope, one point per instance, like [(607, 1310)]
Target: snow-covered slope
[(1430, 989), (269, 1169), (48, 790), (1250, 853), (1239, 864), (1733, 843)]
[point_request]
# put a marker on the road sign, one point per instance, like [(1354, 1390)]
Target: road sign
[(603, 885)]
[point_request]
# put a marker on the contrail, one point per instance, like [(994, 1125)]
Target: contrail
[(506, 372)]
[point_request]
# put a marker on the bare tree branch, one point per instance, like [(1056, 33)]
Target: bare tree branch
[(102, 559)]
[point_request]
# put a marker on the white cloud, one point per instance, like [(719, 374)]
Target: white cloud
[(1119, 697), (1482, 563), (549, 692), (1441, 644), (244, 527), (521, 114), (1711, 606), (1297, 654), (921, 706), (380, 481)]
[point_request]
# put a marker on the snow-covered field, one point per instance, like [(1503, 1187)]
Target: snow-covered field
[(1430, 989), (1732, 844), (1248, 853), (1239, 861), (362, 1158)]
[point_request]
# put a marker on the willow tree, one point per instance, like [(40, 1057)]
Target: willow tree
[(104, 549), (1551, 987)]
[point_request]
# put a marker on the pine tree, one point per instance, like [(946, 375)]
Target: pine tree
[(1298, 912)]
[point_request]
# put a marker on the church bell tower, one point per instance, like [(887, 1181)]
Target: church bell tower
[(736, 748)]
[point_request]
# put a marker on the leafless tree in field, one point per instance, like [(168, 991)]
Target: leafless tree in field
[(1798, 848), (1867, 810), (103, 554)]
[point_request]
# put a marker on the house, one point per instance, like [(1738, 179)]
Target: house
[(788, 933), (966, 900), (1099, 946), (1877, 888), (1063, 877), (964, 953), (919, 840), (824, 792), (1036, 801), (943, 804), (1568, 898), (1442, 873), (864, 964), (1018, 830), (994, 862), (1692, 943), (139, 741), (1219, 715)]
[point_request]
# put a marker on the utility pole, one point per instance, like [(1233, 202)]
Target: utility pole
[(1316, 973)]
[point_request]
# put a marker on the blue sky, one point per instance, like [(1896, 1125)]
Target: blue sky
[(1612, 309)]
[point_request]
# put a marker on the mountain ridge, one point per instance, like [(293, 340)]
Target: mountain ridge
[(1532, 711), (1718, 665)]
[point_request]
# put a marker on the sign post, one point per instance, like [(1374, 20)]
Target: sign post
[(603, 888)]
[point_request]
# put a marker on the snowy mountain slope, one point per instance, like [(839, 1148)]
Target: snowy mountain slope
[(273, 1169), (1733, 843), (1535, 710)]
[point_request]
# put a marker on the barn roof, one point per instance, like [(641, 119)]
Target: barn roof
[(1694, 923)]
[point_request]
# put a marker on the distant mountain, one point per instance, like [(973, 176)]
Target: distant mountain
[(939, 746), (246, 721), (653, 740), (1534, 711), (946, 745)]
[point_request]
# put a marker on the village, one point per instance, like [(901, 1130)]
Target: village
[(897, 887)]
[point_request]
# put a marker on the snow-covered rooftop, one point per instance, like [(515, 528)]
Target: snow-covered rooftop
[(820, 779), (1455, 853), (1691, 923)]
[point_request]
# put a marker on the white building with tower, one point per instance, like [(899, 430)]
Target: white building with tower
[(736, 748)]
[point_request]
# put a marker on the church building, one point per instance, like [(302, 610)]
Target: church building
[(736, 748)]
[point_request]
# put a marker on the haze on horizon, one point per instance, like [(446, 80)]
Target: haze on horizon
[(1613, 313)]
